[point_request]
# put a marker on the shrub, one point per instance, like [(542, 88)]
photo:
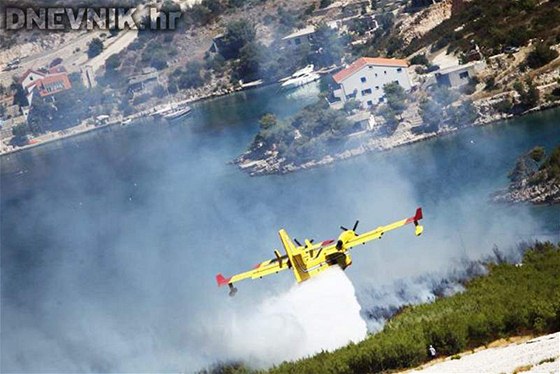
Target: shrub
[(95, 47), (420, 59), (540, 56)]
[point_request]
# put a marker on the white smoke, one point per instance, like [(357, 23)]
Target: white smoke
[(320, 314)]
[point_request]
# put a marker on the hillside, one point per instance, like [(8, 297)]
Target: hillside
[(493, 25), (511, 300)]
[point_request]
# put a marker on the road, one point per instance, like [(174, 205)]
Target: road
[(73, 53)]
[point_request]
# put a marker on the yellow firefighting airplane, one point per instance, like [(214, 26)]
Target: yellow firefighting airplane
[(310, 259)]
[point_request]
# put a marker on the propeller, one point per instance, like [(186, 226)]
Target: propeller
[(355, 225), (297, 242), (353, 228)]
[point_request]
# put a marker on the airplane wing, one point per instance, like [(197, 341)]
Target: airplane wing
[(378, 232), (260, 270)]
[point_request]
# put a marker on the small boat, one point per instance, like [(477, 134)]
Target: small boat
[(301, 77), (177, 113), (174, 112)]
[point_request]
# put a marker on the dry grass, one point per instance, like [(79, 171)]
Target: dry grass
[(523, 368)]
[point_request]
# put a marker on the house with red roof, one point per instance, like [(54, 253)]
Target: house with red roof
[(45, 82), (364, 79)]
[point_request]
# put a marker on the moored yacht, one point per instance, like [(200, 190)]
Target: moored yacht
[(301, 77)]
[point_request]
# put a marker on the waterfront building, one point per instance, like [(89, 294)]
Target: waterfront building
[(364, 79), (45, 82)]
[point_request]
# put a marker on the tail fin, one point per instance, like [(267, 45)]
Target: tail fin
[(298, 265), (418, 215), (419, 228), (222, 281)]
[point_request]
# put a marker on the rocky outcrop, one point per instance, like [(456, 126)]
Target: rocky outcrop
[(419, 23), (546, 193), (534, 179)]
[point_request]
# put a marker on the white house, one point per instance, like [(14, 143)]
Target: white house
[(456, 76), (304, 37), (299, 38), (29, 80), (364, 79)]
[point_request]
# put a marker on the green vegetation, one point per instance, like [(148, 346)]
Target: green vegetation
[(382, 42), (95, 47), (20, 95), (156, 54), (420, 59), (190, 77), (68, 108), (494, 25), (20, 133), (313, 133), (540, 56), (395, 98), (326, 41), (503, 106), (441, 107), (528, 95), (536, 168), (325, 3), (238, 34), (510, 300)]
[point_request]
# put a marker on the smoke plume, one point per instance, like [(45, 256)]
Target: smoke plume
[(322, 313)]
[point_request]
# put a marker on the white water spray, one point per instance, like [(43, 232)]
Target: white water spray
[(320, 314)]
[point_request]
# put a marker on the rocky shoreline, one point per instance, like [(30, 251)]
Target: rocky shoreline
[(546, 193), (273, 164)]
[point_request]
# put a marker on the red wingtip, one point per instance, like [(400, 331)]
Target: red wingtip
[(418, 215), (222, 281)]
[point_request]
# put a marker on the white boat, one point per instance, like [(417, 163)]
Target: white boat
[(301, 77), (177, 113), (174, 112)]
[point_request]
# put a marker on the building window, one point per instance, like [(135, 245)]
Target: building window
[(399, 70), (464, 75), (376, 87), (369, 103), (363, 79), (376, 74), (381, 99), (366, 92), (385, 71)]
